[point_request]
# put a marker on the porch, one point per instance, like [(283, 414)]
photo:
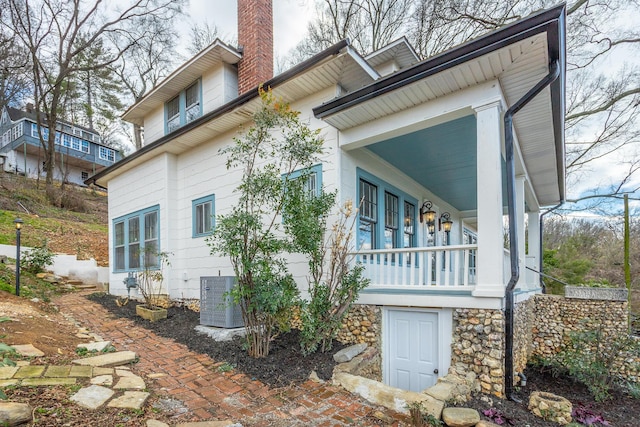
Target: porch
[(445, 268)]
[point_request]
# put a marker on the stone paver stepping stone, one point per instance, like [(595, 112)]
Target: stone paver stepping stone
[(7, 383), (14, 414), (81, 371), (27, 350), (106, 380), (130, 400), (131, 382), (95, 346), (124, 373), (48, 381), (109, 359), (29, 371), (7, 372), (92, 397), (102, 371), (156, 423), (57, 371)]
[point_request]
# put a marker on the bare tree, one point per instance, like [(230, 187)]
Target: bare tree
[(202, 35), (151, 57), (57, 32), (368, 24), (15, 84)]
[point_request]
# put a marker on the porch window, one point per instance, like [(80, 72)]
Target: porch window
[(184, 107), (396, 208), (368, 215), (409, 225), (202, 212), (135, 236), (390, 221)]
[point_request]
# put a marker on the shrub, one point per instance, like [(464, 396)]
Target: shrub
[(36, 259), (590, 354)]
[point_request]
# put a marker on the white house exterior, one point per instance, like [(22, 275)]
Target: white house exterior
[(405, 136)]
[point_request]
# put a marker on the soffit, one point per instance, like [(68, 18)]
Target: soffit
[(209, 58)]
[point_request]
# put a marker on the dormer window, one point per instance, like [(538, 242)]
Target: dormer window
[(184, 108)]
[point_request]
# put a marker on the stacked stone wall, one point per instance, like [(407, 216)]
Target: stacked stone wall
[(478, 347), (556, 317), (522, 335)]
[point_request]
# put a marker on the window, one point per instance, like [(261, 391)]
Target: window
[(368, 215), (202, 215), (173, 114), (106, 154), (84, 175), (184, 108), (136, 240), (313, 179), (379, 199)]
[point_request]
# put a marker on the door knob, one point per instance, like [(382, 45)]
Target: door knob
[(435, 371)]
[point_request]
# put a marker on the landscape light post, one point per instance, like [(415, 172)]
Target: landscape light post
[(18, 222)]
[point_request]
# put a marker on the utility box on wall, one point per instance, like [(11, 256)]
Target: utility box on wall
[(216, 306)]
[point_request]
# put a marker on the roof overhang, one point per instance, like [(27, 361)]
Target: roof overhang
[(216, 53), (337, 65), (518, 56)]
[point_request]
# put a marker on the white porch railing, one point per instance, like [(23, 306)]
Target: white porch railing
[(443, 266)]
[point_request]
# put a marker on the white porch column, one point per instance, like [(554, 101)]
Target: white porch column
[(489, 279), (522, 280), (533, 244)]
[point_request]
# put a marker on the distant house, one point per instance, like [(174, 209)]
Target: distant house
[(427, 146), (79, 153)]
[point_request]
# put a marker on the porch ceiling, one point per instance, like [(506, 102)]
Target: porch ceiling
[(518, 56), (441, 158)]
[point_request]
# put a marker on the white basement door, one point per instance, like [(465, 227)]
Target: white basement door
[(412, 350)]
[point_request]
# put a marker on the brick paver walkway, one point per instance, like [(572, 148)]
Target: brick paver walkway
[(210, 395)]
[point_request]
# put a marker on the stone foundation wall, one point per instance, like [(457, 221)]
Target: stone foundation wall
[(478, 346), (556, 317), (522, 335), (363, 324)]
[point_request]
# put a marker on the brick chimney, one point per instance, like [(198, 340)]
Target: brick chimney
[(255, 37)]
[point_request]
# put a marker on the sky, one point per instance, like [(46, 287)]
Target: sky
[(290, 20)]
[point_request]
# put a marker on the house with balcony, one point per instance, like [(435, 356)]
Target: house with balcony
[(79, 151), (441, 152)]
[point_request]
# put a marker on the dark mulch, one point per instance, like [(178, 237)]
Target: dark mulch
[(621, 410), (285, 365)]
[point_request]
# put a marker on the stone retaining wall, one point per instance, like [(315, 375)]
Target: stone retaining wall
[(556, 317), (478, 347), (524, 319)]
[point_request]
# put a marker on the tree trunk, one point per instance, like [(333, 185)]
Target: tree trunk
[(137, 136)]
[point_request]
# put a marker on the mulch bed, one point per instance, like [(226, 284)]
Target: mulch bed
[(286, 365)]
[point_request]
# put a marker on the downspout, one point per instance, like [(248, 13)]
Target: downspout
[(541, 258), (511, 205)]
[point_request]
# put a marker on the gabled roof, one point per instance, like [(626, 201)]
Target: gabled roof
[(518, 56), (214, 54), (338, 64), (399, 51)]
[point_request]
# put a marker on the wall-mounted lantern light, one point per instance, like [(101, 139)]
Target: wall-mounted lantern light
[(445, 222), (428, 215)]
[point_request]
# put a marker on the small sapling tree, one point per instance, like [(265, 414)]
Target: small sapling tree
[(271, 154)]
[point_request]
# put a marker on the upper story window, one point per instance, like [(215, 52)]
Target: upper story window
[(106, 154), (64, 139), (184, 108)]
